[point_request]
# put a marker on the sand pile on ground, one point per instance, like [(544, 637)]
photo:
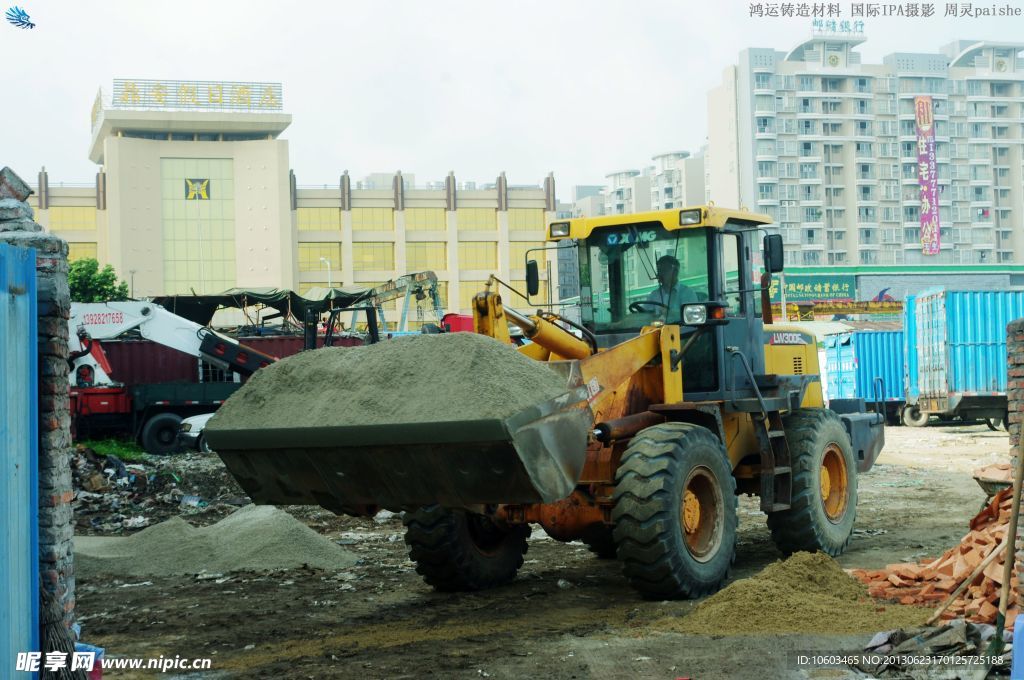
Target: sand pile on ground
[(253, 538), (413, 379), (808, 593)]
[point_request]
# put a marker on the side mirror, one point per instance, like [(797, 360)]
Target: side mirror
[(773, 259), (532, 278)]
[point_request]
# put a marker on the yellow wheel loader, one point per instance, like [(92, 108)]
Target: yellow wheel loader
[(680, 395)]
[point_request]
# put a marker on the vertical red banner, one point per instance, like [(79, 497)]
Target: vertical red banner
[(927, 175)]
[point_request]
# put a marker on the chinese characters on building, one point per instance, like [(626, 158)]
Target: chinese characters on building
[(815, 288), (927, 175), (178, 94)]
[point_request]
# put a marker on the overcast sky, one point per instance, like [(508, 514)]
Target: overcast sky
[(580, 88)]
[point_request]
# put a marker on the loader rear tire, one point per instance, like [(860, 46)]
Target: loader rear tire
[(457, 550), (675, 512), (824, 501)]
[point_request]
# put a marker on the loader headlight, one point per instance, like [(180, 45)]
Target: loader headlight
[(687, 217), (559, 229), (708, 313), (695, 315)]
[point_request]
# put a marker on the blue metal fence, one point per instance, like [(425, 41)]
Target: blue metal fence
[(19, 423)]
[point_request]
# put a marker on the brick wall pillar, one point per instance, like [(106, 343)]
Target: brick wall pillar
[(1015, 408), (56, 528)]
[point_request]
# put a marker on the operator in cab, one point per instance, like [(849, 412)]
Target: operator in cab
[(670, 295)]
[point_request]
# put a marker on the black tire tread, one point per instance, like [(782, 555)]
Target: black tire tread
[(795, 530), (642, 512), (447, 560)]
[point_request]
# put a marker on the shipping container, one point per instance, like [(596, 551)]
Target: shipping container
[(867, 365), (956, 353)]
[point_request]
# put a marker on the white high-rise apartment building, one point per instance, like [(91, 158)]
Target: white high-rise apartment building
[(827, 145)]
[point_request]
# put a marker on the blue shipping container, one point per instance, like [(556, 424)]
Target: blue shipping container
[(855, 361), (956, 345)]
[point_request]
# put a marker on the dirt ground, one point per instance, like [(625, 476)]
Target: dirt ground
[(568, 615)]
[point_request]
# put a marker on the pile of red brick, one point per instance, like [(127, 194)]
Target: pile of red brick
[(929, 584)]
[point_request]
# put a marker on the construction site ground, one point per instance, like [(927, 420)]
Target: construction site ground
[(568, 615)]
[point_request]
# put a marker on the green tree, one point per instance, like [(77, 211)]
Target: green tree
[(89, 283)]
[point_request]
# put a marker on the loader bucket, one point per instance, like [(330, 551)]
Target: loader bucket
[(534, 456)]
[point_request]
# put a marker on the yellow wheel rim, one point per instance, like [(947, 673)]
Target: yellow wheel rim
[(691, 512), (834, 486), (701, 513)]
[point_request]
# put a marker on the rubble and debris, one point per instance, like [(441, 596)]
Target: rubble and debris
[(112, 497), (931, 583), (253, 538), (947, 647), (807, 593)]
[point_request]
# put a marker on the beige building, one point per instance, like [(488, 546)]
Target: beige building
[(195, 193)]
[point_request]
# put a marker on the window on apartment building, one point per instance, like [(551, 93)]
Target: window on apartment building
[(318, 219), (477, 219), (478, 255), (811, 257), (526, 219), (911, 213), (866, 214), (806, 127), (762, 81), (807, 84), (310, 254), (72, 218), (868, 257), (812, 214), (517, 252), (805, 106), (425, 219), (81, 251), (373, 256), (765, 124), (808, 171), (421, 255), (373, 219), (764, 169)]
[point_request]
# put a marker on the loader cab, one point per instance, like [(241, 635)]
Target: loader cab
[(667, 267)]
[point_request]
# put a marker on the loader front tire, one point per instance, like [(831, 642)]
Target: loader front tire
[(675, 512), (824, 501), (457, 550)]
